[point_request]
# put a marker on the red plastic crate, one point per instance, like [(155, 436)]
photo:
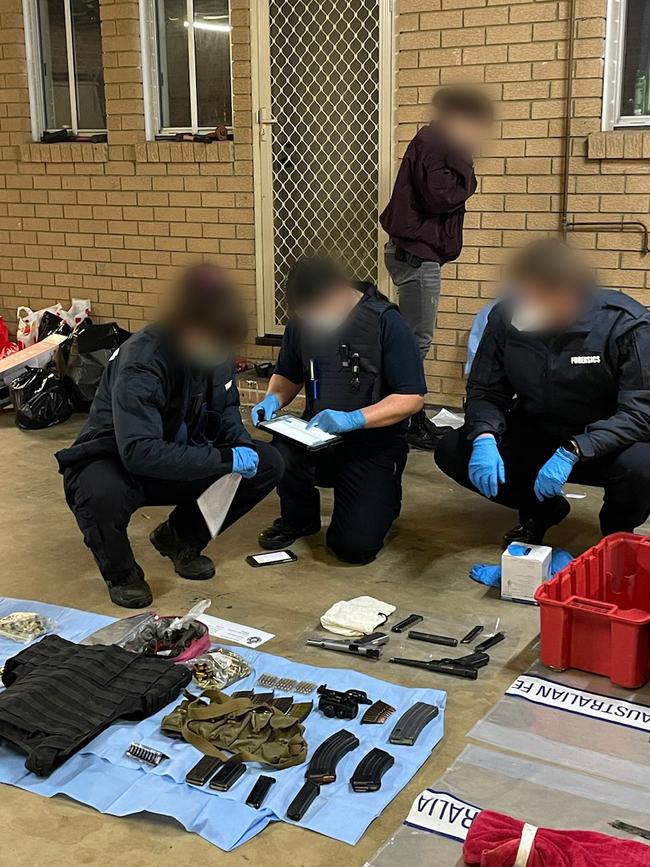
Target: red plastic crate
[(595, 613)]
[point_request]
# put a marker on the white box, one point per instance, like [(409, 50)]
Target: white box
[(521, 574), (37, 355)]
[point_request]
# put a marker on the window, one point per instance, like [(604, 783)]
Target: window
[(64, 52), (626, 99), (189, 58)]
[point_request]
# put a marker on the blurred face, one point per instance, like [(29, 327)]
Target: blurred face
[(467, 133), (542, 308), (329, 312), (201, 349)]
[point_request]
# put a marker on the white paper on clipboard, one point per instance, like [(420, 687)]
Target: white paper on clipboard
[(296, 429), (215, 501)]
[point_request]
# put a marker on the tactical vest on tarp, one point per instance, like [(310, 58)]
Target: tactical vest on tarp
[(348, 363), (215, 722), (61, 695)]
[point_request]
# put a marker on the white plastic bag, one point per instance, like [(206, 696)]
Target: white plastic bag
[(78, 311), (28, 322)]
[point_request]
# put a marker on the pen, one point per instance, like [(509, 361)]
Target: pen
[(313, 379)]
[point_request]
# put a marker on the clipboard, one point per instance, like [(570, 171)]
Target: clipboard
[(294, 430)]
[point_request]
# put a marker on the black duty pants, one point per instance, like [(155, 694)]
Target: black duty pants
[(624, 475), (367, 482), (103, 496)]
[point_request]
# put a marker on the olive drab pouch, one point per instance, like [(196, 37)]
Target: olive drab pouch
[(215, 722)]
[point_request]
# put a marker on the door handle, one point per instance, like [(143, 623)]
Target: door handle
[(264, 121)]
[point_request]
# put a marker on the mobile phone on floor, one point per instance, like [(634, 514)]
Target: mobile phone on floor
[(272, 558)]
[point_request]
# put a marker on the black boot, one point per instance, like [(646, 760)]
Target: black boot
[(132, 591), (422, 432), (531, 531), (187, 558), (281, 534)]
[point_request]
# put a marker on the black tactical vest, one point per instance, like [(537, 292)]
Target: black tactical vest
[(347, 364), (61, 695)]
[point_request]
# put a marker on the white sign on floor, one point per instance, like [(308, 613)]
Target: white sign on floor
[(579, 701), (442, 813)]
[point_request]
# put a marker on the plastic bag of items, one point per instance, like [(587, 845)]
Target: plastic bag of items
[(25, 626), (176, 638), (51, 319), (41, 398), (219, 668)]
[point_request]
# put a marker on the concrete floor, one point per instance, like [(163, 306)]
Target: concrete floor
[(441, 532)]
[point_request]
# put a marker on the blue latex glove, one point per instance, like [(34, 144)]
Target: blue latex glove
[(266, 409), (486, 469), (245, 461), (554, 474), (486, 574), (333, 421)]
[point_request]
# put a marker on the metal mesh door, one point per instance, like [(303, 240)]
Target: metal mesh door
[(324, 70)]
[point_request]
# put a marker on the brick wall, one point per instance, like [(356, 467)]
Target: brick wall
[(112, 222), (518, 48)]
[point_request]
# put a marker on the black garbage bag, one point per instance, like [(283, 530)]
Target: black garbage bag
[(41, 398), (52, 324), (92, 348)]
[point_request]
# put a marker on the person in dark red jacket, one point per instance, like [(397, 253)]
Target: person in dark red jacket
[(424, 218)]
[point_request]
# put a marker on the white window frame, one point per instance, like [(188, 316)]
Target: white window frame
[(150, 11), (36, 84), (614, 62)]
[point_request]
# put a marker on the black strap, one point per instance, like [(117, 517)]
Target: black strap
[(411, 723), (372, 767), (322, 767)]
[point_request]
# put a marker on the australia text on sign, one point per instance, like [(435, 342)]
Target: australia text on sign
[(442, 813)]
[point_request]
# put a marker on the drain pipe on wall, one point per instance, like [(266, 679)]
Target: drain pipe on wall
[(567, 225)]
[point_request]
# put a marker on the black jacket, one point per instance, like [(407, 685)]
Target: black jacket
[(590, 383), (426, 211), (162, 420)]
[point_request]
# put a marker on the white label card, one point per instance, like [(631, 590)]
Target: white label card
[(442, 813), (226, 630), (567, 698), (216, 500)]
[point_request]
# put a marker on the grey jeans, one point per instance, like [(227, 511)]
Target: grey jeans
[(418, 291)]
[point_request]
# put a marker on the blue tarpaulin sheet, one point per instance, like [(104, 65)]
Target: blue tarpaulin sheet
[(102, 777)]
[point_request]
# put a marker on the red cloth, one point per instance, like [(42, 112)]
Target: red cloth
[(493, 841)]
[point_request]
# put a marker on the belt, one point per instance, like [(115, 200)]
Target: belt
[(410, 258)]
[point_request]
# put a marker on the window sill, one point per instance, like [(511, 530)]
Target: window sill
[(268, 340), (64, 152), (185, 152), (619, 144)]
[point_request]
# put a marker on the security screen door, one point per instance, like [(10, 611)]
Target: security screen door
[(322, 95)]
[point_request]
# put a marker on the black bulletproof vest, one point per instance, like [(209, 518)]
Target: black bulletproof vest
[(61, 695), (348, 364)]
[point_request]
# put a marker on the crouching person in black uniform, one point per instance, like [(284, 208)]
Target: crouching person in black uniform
[(363, 377), (559, 391), (165, 424)]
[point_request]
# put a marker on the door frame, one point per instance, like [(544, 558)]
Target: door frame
[(262, 157)]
